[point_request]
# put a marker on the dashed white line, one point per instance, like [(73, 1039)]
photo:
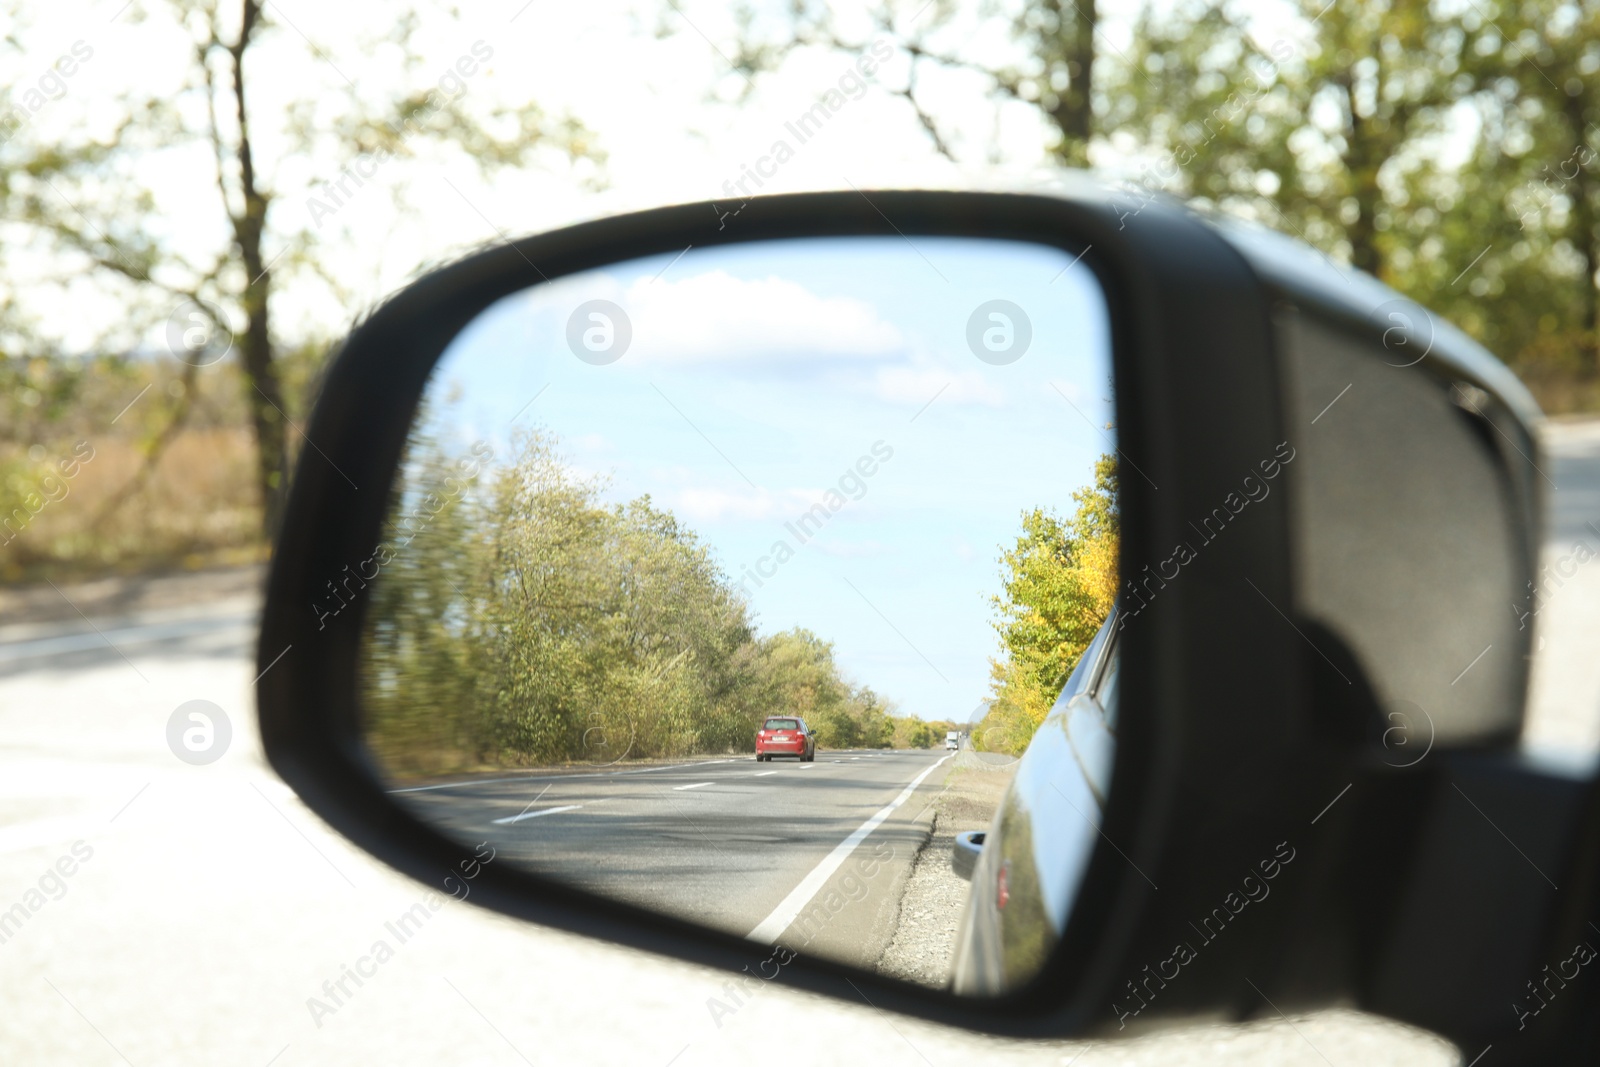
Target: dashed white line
[(694, 785), (536, 814), (763, 774)]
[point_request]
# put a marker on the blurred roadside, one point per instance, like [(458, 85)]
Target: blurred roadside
[(124, 466), (1564, 692), (127, 595)]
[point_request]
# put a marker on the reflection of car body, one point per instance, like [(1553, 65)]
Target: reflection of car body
[(952, 740), (786, 736), (1032, 858)]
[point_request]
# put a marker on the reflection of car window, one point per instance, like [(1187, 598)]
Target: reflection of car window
[(782, 724), (1106, 694)]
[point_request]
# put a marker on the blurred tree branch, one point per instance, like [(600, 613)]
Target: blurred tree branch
[(89, 198)]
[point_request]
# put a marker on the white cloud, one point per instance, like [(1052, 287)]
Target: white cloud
[(773, 324), (715, 318)]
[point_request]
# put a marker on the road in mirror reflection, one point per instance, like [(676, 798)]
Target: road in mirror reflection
[(732, 582)]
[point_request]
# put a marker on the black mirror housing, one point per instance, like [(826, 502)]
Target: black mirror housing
[(1273, 622)]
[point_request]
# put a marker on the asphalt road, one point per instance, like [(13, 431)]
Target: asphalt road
[(750, 848)]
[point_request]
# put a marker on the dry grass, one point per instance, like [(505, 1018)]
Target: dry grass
[(198, 508)]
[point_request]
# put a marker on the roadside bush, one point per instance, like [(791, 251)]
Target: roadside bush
[(522, 621)]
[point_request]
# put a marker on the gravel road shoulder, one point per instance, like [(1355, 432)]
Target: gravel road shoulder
[(934, 897)]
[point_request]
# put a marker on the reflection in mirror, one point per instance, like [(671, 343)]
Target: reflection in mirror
[(732, 583)]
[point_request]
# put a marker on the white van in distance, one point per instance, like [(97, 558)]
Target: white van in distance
[(952, 740)]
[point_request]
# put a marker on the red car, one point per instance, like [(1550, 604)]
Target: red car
[(786, 737)]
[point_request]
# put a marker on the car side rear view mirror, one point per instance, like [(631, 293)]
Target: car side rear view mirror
[(661, 556)]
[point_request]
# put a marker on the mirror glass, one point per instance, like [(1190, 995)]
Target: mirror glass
[(733, 582)]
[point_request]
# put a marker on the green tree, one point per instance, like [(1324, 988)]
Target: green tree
[(924, 735), (912, 732), (424, 651), (519, 619), (1053, 68), (802, 678), (88, 205), (614, 619), (1315, 132), (1353, 140), (876, 719), (1448, 149), (1524, 211)]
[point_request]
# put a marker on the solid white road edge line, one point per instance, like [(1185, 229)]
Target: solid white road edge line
[(536, 814), (769, 929)]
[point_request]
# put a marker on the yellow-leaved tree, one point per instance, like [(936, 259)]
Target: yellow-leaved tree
[(1058, 583)]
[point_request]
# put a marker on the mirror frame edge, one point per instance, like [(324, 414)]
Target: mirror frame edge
[(1165, 346)]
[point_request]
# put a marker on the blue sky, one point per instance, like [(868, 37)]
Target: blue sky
[(757, 378)]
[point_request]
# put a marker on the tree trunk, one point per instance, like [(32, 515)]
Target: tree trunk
[(1583, 219), (1363, 232), (1074, 110), (261, 373), (266, 402), (1588, 241), (1362, 157)]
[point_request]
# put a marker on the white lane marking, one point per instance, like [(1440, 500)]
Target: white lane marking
[(763, 774), (808, 766), (695, 785), (773, 926), (536, 814), (534, 801)]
